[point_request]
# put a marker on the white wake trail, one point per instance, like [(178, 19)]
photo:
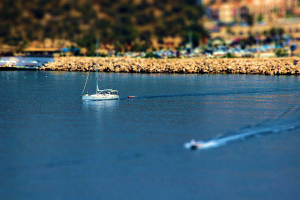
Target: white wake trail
[(289, 120), (241, 135)]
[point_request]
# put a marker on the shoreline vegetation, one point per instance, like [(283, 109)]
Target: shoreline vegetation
[(263, 66)]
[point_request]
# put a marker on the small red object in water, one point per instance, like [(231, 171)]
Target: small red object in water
[(130, 97)]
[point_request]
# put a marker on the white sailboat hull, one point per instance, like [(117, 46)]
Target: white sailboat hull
[(100, 97)]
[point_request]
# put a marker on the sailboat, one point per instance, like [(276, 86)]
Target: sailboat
[(100, 95)]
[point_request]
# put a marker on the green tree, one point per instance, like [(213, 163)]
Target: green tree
[(88, 40), (250, 19), (289, 14), (125, 34), (161, 31), (276, 32), (145, 36), (281, 53), (260, 18), (143, 19)]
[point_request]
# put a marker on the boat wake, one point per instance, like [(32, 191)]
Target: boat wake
[(222, 93), (289, 120)]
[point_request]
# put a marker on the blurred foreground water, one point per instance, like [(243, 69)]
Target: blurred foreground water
[(54, 146)]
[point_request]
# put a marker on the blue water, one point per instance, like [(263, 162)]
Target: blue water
[(54, 146)]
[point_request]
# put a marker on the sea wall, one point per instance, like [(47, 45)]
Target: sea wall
[(263, 66)]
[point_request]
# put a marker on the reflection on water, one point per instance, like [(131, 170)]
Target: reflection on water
[(100, 105)]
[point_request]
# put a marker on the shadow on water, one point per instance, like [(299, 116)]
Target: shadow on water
[(287, 121)]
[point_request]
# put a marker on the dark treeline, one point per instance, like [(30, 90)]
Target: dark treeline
[(123, 23)]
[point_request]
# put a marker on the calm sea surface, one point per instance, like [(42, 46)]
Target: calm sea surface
[(54, 146)]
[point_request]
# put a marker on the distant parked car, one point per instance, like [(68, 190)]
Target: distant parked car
[(219, 53), (208, 51)]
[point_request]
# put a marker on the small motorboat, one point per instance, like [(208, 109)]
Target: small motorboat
[(193, 145), (130, 97)]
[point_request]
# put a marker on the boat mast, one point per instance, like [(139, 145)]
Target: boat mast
[(97, 47)]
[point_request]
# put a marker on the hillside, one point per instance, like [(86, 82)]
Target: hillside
[(122, 23)]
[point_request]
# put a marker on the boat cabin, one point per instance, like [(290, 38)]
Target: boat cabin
[(108, 92)]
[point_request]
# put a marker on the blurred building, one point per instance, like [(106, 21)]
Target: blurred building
[(229, 20), (228, 11), (43, 52), (289, 26)]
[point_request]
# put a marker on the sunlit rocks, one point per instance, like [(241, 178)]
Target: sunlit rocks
[(263, 66)]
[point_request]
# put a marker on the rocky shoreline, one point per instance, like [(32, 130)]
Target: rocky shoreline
[(263, 66)]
